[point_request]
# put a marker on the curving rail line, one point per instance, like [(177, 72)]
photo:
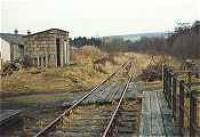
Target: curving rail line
[(53, 124)]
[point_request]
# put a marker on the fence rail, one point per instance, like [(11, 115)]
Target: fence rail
[(183, 100)]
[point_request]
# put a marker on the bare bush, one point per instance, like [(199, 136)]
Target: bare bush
[(27, 61)]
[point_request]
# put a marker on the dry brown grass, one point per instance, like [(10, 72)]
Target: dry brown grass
[(87, 54), (80, 76)]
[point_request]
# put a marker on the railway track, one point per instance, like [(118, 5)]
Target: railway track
[(102, 112)]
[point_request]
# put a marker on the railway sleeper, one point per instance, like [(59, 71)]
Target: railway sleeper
[(73, 134)]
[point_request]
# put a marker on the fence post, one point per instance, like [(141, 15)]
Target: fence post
[(181, 107), (163, 68), (167, 86), (164, 78), (174, 96), (170, 88), (165, 81), (193, 112), (189, 79)]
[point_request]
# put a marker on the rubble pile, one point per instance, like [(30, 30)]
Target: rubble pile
[(152, 73), (9, 68)]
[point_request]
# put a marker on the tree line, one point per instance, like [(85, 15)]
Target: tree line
[(183, 42), (82, 41)]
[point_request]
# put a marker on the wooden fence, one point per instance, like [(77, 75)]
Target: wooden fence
[(183, 99)]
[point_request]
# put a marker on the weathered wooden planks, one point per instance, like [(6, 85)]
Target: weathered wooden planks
[(108, 93), (156, 118), (7, 116), (145, 127), (169, 127)]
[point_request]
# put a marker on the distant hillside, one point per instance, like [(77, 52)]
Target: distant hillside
[(135, 37)]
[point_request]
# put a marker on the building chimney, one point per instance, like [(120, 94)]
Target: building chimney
[(16, 31), (28, 32)]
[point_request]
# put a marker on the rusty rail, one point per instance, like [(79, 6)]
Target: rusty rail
[(52, 125), (109, 126), (108, 130)]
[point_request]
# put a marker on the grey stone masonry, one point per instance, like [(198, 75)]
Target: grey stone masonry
[(48, 48)]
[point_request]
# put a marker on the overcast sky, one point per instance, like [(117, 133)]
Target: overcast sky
[(97, 17)]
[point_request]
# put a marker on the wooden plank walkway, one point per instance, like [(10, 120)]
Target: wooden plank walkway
[(156, 117)]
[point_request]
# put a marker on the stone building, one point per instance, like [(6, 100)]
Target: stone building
[(49, 48)]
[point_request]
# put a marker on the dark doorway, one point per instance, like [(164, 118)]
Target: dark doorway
[(40, 61), (58, 52), (21, 50)]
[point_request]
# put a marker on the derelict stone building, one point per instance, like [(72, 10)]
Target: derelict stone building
[(49, 48)]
